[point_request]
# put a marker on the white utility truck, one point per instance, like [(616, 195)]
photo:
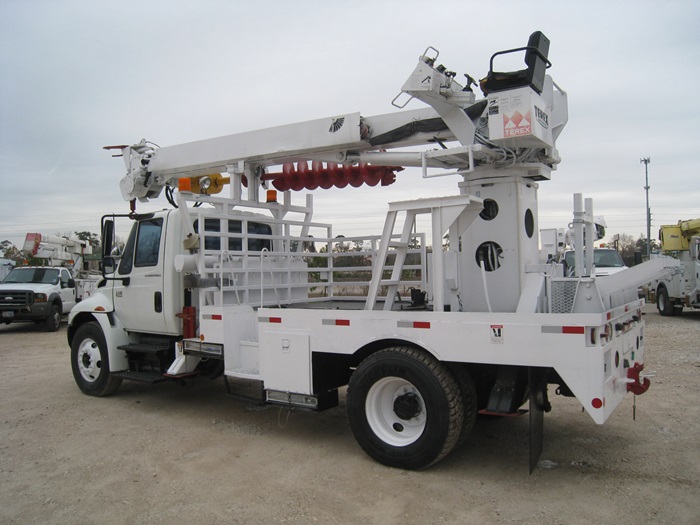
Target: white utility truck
[(241, 282), (682, 288), (43, 294), (558, 244)]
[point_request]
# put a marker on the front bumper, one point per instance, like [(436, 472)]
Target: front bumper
[(35, 312)]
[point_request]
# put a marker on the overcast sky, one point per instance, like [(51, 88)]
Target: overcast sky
[(79, 75)]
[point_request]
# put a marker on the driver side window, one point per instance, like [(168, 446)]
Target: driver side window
[(142, 247), (148, 242)]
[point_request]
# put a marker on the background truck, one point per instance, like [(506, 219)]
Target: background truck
[(672, 293), (44, 294), (239, 281), (558, 244)]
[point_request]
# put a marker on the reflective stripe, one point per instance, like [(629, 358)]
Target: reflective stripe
[(336, 322), (269, 319), (413, 324), (563, 330)]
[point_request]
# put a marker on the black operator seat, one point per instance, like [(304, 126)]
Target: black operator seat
[(537, 63)]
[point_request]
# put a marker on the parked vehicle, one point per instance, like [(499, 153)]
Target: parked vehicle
[(607, 261), (37, 293), (44, 294), (682, 289), (238, 282)]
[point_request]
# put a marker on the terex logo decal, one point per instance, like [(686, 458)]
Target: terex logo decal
[(542, 117), (517, 124)]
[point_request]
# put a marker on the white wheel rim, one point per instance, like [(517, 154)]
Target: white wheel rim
[(382, 418), (89, 360)]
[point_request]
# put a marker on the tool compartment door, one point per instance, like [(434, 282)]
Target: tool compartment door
[(285, 360)]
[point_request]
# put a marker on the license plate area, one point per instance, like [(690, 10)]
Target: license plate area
[(8, 315)]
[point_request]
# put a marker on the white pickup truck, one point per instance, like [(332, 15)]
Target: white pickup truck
[(607, 261), (37, 293)]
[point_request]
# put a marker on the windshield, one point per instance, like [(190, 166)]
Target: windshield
[(32, 275), (602, 258)]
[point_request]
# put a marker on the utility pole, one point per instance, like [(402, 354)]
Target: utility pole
[(646, 161)]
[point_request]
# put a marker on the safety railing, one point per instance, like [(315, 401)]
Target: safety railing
[(246, 258)]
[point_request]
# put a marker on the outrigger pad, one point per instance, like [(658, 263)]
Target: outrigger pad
[(538, 405)]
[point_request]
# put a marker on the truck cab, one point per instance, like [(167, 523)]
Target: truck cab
[(142, 278)]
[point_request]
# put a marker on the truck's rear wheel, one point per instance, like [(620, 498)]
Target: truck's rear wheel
[(404, 408), (469, 400), (53, 321), (90, 362), (663, 304)]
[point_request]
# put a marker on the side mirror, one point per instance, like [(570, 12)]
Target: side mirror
[(71, 283), (107, 236), (109, 265)]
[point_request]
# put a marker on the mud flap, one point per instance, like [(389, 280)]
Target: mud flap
[(538, 405)]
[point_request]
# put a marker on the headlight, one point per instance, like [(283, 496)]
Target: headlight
[(204, 183), (40, 298)]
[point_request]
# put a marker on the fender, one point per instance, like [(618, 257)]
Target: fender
[(99, 302), (56, 298), (99, 308)]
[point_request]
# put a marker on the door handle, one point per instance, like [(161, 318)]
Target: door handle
[(158, 302)]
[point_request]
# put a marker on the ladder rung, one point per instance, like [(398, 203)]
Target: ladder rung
[(398, 244), (389, 282)]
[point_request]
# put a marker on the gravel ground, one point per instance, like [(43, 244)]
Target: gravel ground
[(174, 453)]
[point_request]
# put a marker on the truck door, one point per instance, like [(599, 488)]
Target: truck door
[(138, 290), (68, 291)]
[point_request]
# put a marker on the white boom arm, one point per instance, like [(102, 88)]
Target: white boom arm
[(56, 250), (350, 138), (54, 247)]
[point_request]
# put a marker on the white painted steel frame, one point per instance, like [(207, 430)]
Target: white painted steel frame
[(573, 344)]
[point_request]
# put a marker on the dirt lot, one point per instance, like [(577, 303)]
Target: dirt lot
[(190, 454)]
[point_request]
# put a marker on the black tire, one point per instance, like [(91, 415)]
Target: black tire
[(53, 321), (469, 400), (404, 408), (663, 304), (90, 362)]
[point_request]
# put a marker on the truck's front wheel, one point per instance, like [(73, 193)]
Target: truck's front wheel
[(53, 322), (90, 362), (663, 304), (404, 408)]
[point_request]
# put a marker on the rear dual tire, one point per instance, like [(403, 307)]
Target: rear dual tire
[(405, 408)]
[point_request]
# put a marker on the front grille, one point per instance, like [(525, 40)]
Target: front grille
[(16, 298)]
